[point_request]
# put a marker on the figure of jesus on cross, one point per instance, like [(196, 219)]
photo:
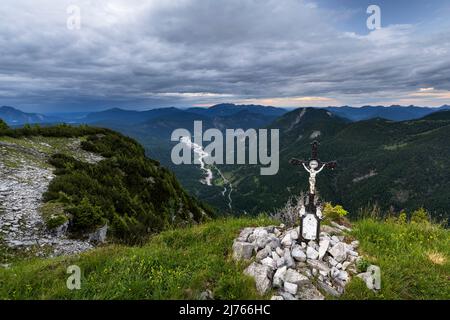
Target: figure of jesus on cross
[(312, 165), (312, 174)]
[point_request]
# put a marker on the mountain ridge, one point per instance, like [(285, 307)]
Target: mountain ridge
[(115, 184), (14, 116)]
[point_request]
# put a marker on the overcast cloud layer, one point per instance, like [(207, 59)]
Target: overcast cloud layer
[(144, 54)]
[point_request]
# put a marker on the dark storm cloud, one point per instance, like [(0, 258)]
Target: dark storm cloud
[(184, 52)]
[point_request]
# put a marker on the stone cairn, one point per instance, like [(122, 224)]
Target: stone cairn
[(299, 270), (302, 262)]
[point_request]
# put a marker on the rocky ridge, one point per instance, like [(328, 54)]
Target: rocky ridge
[(24, 177), (297, 270)]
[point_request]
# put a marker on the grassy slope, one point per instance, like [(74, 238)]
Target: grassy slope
[(414, 260), (177, 264), (182, 263)]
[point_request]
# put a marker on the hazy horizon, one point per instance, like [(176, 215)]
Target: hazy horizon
[(206, 107)]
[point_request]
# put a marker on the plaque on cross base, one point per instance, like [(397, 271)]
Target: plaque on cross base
[(310, 217), (309, 227)]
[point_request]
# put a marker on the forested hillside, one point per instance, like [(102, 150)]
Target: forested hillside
[(129, 192), (393, 165)]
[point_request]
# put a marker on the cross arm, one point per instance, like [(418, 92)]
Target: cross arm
[(331, 165), (297, 162)]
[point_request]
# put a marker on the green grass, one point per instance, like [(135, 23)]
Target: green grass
[(176, 264), (414, 260), (53, 214), (45, 145), (181, 263)]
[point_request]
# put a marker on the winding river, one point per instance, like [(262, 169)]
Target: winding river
[(201, 154)]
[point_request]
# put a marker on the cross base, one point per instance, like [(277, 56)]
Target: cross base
[(309, 221)]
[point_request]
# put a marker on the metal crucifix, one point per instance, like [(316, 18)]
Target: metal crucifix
[(312, 164), (311, 216)]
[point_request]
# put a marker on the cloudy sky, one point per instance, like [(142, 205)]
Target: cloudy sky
[(157, 53)]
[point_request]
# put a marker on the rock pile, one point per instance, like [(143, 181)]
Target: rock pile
[(297, 270)]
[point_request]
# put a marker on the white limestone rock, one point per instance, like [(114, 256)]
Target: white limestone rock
[(207, 295), (313, 245), (307, 273), (287, 295), (372, 277), (287, 240), (290, 287), (340, 227), (262, 275), (279, 251), (293, 276), (319, 265), (278, 277), (334, 272), (269, 262), (311, 253), (330, 230), (261, 238), (309, 292), (352, 253), (274, 243), (332, 262), (342, 275), (242, 250), (280, 262), (288, 260), (264, 253), (298, 254), (276, 256), (328, 289), (245, 233), (335, 239), (323, 248), (99, 236), (294, 234), (339, 251)]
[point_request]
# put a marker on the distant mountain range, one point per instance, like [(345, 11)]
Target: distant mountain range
[(13, 116), (215, 114), (262, 114), (394, 113), (265, 114)]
